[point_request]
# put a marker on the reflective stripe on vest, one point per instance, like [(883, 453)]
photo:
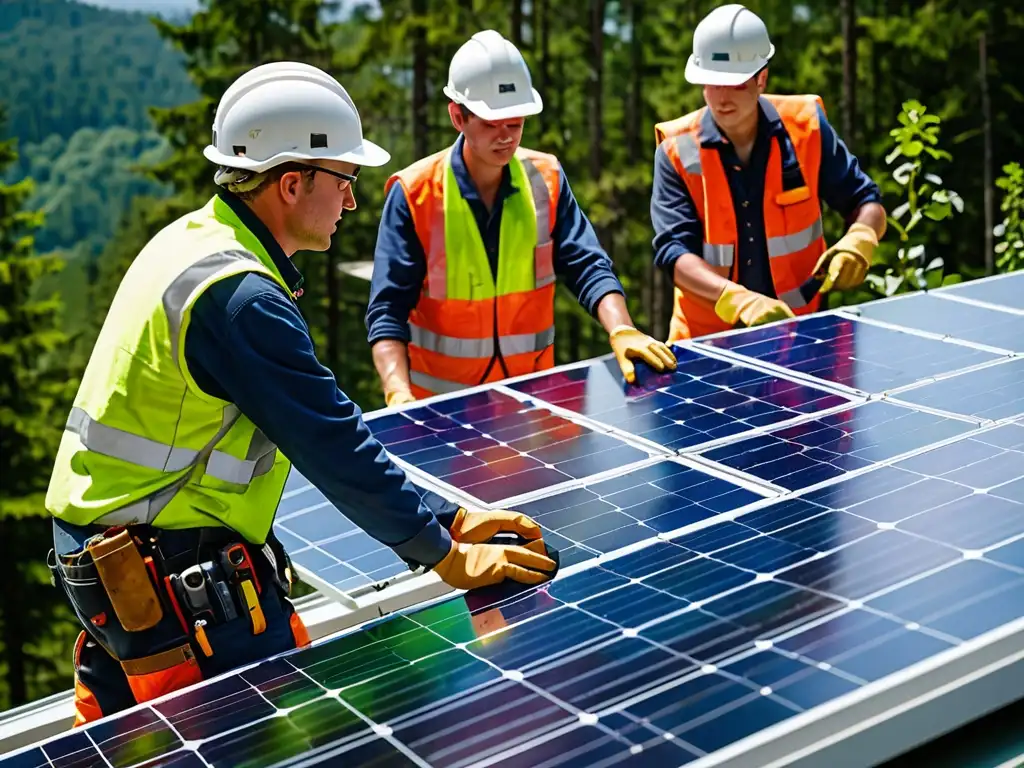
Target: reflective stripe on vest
[(513, 344)]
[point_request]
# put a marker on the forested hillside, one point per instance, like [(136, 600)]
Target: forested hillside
[(923, 91)]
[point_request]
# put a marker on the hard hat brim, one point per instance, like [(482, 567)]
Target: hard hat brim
[(366, 154), (698, 75), (484, 112)]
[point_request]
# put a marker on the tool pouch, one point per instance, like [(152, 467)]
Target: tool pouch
[(126, 580)]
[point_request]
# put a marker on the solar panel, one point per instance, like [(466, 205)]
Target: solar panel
[(858, 355), (994, 392), (930, 313), (665, 652), (1002, 291), (704, 400), (325, 544), (492, 447), (840, 443)]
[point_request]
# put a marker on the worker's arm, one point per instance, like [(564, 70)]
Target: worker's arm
[(848, 190), (399, 268), (679, 235), (587, 271), (679, 238), (248, 344)]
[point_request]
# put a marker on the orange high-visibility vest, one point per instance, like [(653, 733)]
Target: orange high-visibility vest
[(467, 327), (792, 212)]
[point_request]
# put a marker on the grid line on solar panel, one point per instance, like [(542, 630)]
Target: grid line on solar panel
[(1003, 291), (491, 447), (323, 542), (837, 445), (706, 400), (853, 355), (737, 626), (998, 330), (992, 393)]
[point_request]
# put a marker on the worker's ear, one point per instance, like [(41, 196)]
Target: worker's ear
[(292, 184), (455, 113), (762, 81)]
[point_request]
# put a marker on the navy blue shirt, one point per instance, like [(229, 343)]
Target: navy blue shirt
[(842, 185), (247, 343), (400, 264)]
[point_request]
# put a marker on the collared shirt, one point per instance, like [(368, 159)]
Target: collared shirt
[(247, 343), (842, 185), (400, 265)]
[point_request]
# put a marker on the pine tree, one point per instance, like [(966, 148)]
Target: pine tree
[(33, 390)]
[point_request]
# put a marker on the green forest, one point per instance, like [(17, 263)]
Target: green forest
[(103, 116)]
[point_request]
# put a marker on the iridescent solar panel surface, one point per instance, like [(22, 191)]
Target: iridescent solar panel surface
[(799, 545)]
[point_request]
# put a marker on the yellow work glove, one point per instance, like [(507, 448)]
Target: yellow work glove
[(629, 344), (737, 305), (468, 566), (846, 263), (478, 527), (399, 396)]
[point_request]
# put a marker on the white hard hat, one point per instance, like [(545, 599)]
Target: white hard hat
[(730, 45), (490, 78), (288, 111)]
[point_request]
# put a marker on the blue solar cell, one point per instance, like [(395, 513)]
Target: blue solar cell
[(494, 447), (610, 514), (828, 447), (865, 357), (958, 320), (320, 539), (995, 392), (1004, 291), (705, 399)]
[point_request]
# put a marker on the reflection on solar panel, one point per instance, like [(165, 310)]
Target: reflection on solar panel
[(929, 313), (692, 613), (828, 447), (494, 447), (1002, 291), (994, 392), (704, 400), (614, 513), (668, 652), (326, 543), (858, 355)]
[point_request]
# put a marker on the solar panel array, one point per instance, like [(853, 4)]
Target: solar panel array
[(801, 517)]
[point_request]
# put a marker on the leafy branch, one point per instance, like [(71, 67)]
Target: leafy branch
[(1010, 231)]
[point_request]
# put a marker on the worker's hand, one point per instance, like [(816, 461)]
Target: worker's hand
[(468, 566), (399, 396), (629, 344), (737, 305), (846, 263), (477, 527)]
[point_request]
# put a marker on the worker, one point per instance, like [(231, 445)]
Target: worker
[(471, 240), (737, 188), (203, 388)]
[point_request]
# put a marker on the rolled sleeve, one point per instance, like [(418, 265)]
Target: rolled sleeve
[(251, 340), (842, 183), (580, 261), (677, 227), (399, 268)]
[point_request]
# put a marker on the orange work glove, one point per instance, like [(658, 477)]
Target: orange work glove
[(468, 566), (846, 263), (478, 527), (739, 306), (629, 344)]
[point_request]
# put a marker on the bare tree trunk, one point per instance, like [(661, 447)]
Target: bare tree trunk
[(634, 104), (597, 9), (420, 126), (848, 12), (540, 14), (517, 23), (333, 313), (986, 116)]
